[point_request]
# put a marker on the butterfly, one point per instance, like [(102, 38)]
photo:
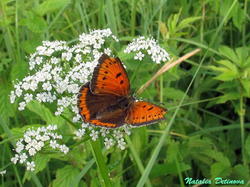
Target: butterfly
[(106, 100)]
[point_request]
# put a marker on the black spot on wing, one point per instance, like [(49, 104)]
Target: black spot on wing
[(150, 108), (118, 75)]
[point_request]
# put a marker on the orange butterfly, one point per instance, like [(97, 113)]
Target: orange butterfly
[(106, 101)]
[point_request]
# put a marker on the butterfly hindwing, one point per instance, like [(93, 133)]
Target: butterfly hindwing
[(95, 109), (110, 77), (143, 113)]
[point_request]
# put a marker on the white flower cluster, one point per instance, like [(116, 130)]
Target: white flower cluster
[(58, 71), (33, 141), (150, 46), (111, 137)]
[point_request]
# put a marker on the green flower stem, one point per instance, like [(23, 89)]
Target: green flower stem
[(137, 158), (242, 130), (100, 161), (133, 20)]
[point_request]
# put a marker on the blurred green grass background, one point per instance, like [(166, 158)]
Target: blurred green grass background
[(209, 135)]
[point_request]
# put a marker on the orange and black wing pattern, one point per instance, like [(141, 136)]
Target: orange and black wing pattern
[(110, 77), (94, 109), (106, 102), (144, 113)]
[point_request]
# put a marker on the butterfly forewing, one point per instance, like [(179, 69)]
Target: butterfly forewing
[(110, 77), (142, 113)]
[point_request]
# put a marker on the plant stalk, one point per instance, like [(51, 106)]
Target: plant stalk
[(100, 161)]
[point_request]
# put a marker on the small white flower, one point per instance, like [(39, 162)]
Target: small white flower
[(39, 60), (12, 97), (67, 56), (118, 134), (80, 132), (121, 144), (107, 51), (32, 151), (55, 60), (108, 142), (104, 132), (53, 144), (78, 58), (51, 127), (47, 86), (3, 172), (76, 118), (23, 157), (21, 106), (19, 147), (18, 92), (28, 97), (30, 166), (15, 158), (45, 138), (94, 135), (139, 56), (64, 149)]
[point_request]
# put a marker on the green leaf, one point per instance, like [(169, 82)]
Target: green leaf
[(173, 93), (220, 169), (228, 97), (41, 161), (35, 23), (139, 138), (247, 145), (229, 53), (173, 151), (44, 113), (242, 53), (219, 157), (241, 172), (6, 108), (228, 70), (18, 132), (224, 11), (18, 70), (187, 22), (5, 62), (227, 76), (65, 176), (228, 64), (51, 6), (246, 85), (231, 85), (168, 168), (29, 46), (238, 16)]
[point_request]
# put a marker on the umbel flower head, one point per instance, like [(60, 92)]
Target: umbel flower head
[(58, 70), (33, 141)]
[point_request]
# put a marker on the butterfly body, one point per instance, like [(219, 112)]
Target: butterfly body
[(106, 101)]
